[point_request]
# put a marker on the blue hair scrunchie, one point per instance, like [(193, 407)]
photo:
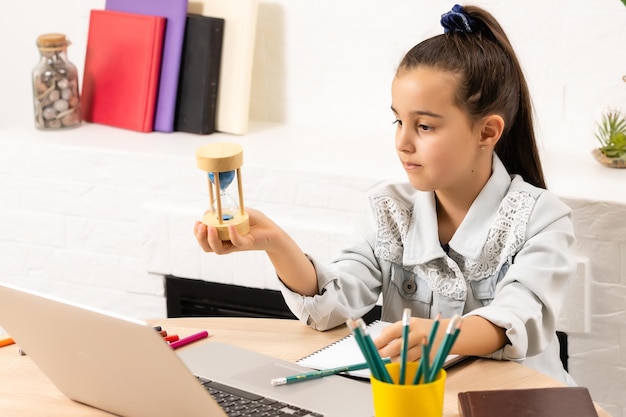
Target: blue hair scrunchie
[(456, 20)]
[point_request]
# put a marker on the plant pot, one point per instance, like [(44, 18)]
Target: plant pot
[(606, 161)]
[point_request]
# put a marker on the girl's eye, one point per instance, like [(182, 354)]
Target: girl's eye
[(424, 127), (398, 122)]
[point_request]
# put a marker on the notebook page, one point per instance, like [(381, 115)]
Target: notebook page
[(345, 351)]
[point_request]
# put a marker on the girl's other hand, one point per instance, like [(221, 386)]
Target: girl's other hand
[(389, 342)]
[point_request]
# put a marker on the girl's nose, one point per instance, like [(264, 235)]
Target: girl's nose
[(404, 140)]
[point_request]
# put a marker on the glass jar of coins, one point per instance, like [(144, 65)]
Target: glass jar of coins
[(55, 85)]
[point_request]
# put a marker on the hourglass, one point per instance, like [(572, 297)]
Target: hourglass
[(223, 162)]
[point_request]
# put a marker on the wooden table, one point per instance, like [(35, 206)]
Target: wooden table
[(25, 391)]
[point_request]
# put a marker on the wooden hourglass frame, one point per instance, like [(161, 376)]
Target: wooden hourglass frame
[(216, 158)]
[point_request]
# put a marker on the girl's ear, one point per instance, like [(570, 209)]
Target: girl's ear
[(491, 130)]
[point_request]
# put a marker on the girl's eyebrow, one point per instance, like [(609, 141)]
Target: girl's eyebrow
[(421, 113)]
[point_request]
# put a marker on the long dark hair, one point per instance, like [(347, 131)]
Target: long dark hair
[(491, 81)]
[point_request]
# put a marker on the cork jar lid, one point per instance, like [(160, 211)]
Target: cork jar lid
[(52, 41)]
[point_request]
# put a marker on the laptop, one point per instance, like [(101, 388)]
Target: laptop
[(123, 366)]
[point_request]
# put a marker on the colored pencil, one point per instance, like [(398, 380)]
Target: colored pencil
[(6, 342), (424, 366), (358, 338), (444, 348), (189, 339), (406, 320), (171, 338), (321, 373), (376, 359)]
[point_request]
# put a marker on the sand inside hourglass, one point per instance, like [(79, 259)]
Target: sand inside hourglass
[(228, 203)]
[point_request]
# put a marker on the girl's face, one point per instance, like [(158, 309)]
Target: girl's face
[(435, 140)]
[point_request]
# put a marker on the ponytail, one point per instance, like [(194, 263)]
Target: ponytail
[(491, 81)]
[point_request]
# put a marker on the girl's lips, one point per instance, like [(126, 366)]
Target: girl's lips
[(410, 165)]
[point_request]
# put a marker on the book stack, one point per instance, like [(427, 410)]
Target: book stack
[(159, 65)]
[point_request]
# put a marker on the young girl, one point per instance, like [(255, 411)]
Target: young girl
[(474, 232)]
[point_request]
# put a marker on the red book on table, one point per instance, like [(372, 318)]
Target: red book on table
[(122, 68)]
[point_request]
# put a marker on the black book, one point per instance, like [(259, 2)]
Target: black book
[(196, 105)]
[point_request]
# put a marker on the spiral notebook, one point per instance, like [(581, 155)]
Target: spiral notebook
[(345, 351)]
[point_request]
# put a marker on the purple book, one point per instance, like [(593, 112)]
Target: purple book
[(175, 11)]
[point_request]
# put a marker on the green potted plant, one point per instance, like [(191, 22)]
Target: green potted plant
[(611, 133)]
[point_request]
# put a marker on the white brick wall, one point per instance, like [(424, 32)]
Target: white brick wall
[(97, 214), (597, 358)]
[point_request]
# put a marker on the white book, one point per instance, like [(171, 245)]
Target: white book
[(233, 96)]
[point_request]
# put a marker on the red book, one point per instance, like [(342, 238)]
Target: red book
[(122, 68)]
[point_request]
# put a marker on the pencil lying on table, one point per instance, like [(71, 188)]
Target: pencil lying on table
[(320, 374), (189, 339)]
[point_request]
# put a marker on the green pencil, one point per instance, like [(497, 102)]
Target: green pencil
[(423, 369), (406, 320), (321, 373), (445, 347), (360, 341), (374, 355)]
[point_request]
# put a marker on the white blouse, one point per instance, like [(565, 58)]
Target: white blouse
[(510, 261)]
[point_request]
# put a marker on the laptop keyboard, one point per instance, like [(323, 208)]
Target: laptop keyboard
[(239, 403)]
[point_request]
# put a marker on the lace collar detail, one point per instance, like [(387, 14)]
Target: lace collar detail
[(447, 275)]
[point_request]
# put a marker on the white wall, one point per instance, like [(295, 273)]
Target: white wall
[(96, 214), (330, 63)]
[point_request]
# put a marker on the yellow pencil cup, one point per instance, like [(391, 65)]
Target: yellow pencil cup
[(395, 400)]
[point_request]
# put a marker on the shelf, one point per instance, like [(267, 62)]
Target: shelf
[(571, 174)]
